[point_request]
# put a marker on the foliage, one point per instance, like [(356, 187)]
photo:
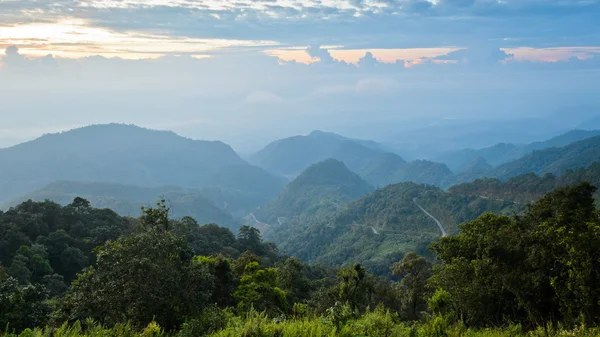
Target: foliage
[(23, 306), (528, 187), (43, 242), (322, 187), (414, 270), (379, 228), (127, 154), (142, 277), (553, 160), (259, 289), (537, 269)]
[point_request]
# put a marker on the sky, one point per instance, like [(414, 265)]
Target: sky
[(247, 72)]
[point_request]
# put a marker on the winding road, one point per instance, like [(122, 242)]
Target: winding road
[(431, 216)]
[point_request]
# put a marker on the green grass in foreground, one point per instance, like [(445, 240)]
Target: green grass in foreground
[(377, 323)]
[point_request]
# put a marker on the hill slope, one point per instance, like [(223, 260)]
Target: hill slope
[(292, 155), (379, 168), (127, 200), (503, 152), (381, 226), (554, 160), (131, 155), (322, 187), (528, 187)]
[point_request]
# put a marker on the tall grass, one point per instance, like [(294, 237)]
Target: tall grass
[(375, 323)]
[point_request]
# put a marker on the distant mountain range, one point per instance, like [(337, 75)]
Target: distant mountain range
[(290, 156), (554, 160), (529, 187), (128, 154), (501, 153), (127, 200)]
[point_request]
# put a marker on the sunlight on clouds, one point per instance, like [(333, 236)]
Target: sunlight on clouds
[(390, 55), (217, 4), (292, 55), (411, 56), (553, 54), (74, 38)]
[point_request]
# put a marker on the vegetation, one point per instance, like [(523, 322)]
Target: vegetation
[(528, 187), (323, 187), (130, 155), (530, 275), (553, 160), (379, 168), (127, 200), (503, 153), (379, 228)]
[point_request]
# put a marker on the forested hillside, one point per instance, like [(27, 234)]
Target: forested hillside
[(553, 160), (130, 155), (526, 276), (127, 200), (291, 156), (529, 187), (381, 226), (504, 152), (323, 187)]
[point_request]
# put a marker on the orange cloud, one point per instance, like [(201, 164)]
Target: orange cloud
[(552, 54)]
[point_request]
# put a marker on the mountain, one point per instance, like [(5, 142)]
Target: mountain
[(382, 225), (130, 155), (503, 152), (379, 168), (529, 187), (422, 172), (290, 156), (553, 160), (127, 200), (322, 187)]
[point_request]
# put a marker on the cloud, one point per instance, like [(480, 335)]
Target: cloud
[(368, 60), (320, 53), (477, 56), (13, 58), (354, 24)]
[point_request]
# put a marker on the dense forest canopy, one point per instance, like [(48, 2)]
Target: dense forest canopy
[(159, 276)]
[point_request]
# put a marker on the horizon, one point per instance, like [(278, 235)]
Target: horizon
[(248, 72)]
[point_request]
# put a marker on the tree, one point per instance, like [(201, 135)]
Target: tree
[(259, 289), (354, 287), (141, 277), (23, 306), (225, 281), (414, 270), (535, 269), (293, 280), (249, 239), (80, 203)]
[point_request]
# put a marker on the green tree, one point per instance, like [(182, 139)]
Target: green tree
[(354, 287), (23, 306), (225, 281), (414, 270), (293, 280), (259, 289), (142, 277)]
